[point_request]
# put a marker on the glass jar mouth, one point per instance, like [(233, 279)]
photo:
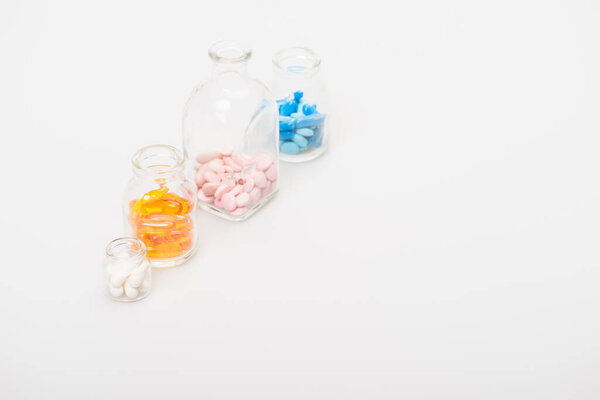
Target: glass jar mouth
[(298, 61), (229, 52), (126, 248), (157, 159)]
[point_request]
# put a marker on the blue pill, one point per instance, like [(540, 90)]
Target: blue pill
[(290, 148), (300, 140), (288, 108), (296, 115), (286, 123), (301, 105), (308, 109), (298, 95), (286, 135), (309, 121), (305, 132)]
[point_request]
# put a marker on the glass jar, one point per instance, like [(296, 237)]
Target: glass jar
[(127, 272), (230, 137), (159, 205), (304, 105)]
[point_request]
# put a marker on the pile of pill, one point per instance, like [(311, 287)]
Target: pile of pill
[(128, 279), (300, 124), (234, 181), (162, 220)]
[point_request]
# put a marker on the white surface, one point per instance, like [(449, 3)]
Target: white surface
[(446, 247)]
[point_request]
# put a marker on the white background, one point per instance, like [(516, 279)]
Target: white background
[(446, 247)]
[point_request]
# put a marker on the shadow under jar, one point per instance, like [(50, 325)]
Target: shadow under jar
[(230, 137), (159, 206), (303, 104)]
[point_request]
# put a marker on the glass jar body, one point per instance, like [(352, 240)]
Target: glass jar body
[(159, 206), (304, 104), (230, 137), (127, 272)]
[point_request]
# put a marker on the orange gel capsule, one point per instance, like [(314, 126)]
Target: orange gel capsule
[(161, 220)]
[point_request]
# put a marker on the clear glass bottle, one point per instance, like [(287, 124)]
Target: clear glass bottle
[(127, 272), (159, 205), (304, 104), (230, 137)]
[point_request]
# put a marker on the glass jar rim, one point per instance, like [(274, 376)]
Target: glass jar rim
[(173, 156), (311, 60), (138, 247), (229, 52)]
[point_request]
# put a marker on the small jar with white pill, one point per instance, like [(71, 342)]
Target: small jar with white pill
[(303, 104), (128, 275)]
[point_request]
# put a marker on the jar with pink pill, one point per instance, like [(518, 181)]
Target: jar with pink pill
[(303, 104), (231, 137)]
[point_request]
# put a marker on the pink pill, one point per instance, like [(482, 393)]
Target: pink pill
[(228, 169), (239, 159), (232, 164), (200, 174), (249, 185), (210, 188), (199, 178), (228, 179), (271, 173), (260, 179), (226, 151), (204, 198), (218, 203), (263, 162), (239, 211), (211, 176), (206, 157), (237, 190), (254, 195), (216, 165), (266, 190), (228, 201), (221, 190), (242, 199), (229, 182)]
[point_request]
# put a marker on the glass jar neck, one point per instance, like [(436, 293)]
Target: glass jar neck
[(296, 63), (159, 161), (126, 249), (219, 68), (229, 56)]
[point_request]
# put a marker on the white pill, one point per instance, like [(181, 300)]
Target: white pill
[(135, 279), (131, 292), (118, 277), (125, 266), (115, 291)]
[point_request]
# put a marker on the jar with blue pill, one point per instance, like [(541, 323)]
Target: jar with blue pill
[(303, 104), (231, 137)]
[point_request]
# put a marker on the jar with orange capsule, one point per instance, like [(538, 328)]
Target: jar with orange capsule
[(159, 206)]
